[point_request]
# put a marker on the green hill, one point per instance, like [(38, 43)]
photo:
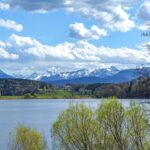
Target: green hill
[(19, 87), (138, 88)]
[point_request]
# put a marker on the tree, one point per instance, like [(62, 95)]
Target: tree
[(26, 138), (138, 127), (111, 122), (110, 127), (74, 129)]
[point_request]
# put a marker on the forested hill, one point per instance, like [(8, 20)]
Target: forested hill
[(138, 88), (19, 87)]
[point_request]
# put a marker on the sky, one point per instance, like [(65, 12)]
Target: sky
[(72, 34)]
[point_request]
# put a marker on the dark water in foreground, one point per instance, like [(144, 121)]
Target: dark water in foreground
[(39, 114)]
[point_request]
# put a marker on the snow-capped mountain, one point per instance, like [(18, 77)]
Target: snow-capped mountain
[(120, 77), (4, 75), (56, 73), (19, 76), (35, 76), (53, 72)]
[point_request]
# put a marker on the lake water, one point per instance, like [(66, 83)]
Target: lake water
[(39, 114)]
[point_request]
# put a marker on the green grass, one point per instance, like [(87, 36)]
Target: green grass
[(11, 97), (58, 94)]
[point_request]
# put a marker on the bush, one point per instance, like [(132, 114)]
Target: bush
[(110, 127), (28, 95), (26, 138)]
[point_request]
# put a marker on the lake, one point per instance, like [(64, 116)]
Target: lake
[(39, 114)]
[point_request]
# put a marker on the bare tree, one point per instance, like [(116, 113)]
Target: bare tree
[(146, 34), (141, 70)]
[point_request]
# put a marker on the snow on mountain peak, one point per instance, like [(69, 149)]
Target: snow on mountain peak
[(56, 73), (53, 71), (35, 76)]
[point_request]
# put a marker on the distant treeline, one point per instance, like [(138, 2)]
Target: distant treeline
[(19, 87), (139, 88)]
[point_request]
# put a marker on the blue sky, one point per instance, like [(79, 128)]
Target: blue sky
[(36, 35)]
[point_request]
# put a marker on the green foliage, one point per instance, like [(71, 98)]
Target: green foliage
[(20, 87), (60, 93), (138, 127), (111, 123), (74, 129), (25, 138), (110, 127), (28, 95), (139, 88)]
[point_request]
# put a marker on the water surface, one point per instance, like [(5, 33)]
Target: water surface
[(39, 114)]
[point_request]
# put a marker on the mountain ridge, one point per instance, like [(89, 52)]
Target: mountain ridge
[(4, 75), (57, 76)]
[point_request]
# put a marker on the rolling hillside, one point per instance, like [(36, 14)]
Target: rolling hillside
[(19, 87)]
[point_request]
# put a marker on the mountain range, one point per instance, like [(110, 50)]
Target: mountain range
[(4, 75), (57, 76)]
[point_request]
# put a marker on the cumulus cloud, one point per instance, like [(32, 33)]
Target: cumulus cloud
[(144, 11), (5, 54), (110, 13), (120, 21), (80, 52), (78, 31), (35, 48), (38, 5), (11, 24), (4, 6)]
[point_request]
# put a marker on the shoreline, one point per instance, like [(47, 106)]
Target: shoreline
[(46, 98), (80, 98)]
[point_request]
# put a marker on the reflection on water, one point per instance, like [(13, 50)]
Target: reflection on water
[(39, 114)]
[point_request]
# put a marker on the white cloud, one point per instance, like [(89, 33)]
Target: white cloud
[(79, 52), (112, 14), (35, 48), (78, 31), (122, 22), (21, 41), (38, 5), (4, 6), (5, 54), (144, 11), (11, 24), (28, 52)]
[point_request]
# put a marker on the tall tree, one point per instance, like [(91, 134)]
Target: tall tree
[(110, 127)]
